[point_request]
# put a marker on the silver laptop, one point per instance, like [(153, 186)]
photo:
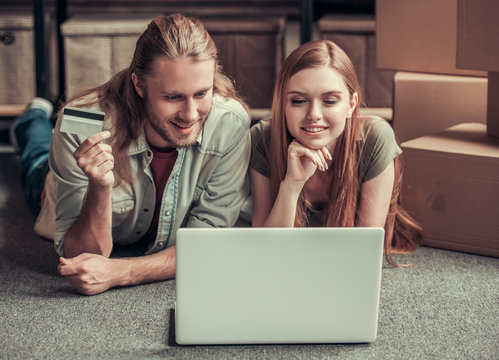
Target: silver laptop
[(277, 285)]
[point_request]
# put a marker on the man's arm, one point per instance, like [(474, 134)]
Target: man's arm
[(227, 189), (91, 274), (218, 205), (91, 232)]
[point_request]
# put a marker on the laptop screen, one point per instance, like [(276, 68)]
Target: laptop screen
[(277, 285)]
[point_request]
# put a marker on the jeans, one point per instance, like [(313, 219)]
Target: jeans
[(33, 131)]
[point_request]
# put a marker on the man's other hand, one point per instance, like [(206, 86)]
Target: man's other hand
[(90, 274)]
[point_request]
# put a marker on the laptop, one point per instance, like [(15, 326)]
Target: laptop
[(277, 285)]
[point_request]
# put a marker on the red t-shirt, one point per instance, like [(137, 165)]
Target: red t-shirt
[(161, 167)]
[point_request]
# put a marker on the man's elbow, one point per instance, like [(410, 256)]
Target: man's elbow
[(73, 247)]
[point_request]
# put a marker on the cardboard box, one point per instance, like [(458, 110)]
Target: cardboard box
[(17, 66), (428, 103), (251, 51), (356, 35), (96, 48), (493, 105), (451, 186), (418, 35), (477, 35)]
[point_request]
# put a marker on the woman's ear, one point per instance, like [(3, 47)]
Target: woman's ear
[(354, 101), (138, 84)]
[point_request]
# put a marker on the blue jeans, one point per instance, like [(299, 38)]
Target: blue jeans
[(33, 131)]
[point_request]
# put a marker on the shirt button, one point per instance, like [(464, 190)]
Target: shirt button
[(149, 153), (161, 244), (137, 233), (168, 213), (146, 210)]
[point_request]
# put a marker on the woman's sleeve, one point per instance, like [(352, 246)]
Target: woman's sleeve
[(379, 150), (260, 134)]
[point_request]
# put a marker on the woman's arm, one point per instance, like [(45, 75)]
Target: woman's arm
[(375, 199), (282, 212), (302, 164)]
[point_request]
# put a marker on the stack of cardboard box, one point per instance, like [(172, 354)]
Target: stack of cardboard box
[(355, 34), (446, 114), (17, 59), (250, 50)]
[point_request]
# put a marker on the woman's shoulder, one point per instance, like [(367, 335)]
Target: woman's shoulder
[(260, 145), (374, 128), (377, 146), (260, 128), (374, 123)]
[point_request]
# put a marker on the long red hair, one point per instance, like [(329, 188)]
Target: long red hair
[(402, 233)]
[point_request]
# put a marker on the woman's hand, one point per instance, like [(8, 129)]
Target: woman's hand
[(96, 159), (303, 162)]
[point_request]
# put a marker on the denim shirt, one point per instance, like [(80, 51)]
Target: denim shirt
[(206, 188)]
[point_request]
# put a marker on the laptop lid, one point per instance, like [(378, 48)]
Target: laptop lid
[(277, 285)]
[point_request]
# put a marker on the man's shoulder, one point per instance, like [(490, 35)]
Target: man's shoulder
[(226, 126), (89, 101), (223, 108)]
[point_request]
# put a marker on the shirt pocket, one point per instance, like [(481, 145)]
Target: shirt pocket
[(122, 210)]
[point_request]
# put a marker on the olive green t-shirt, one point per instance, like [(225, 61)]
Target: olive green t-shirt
[(377, 148)]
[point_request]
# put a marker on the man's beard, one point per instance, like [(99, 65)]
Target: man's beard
[(174, 140), (177, 141)]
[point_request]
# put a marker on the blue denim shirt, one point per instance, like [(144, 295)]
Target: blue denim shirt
[(206, 188)]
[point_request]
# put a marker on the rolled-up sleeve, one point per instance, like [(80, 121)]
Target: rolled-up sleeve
[(69, 184)]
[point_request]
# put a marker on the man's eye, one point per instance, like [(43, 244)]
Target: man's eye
[(172, 97)]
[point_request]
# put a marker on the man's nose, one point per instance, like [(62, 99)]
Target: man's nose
[(189, 111)]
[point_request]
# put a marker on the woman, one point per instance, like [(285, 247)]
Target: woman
[(316, 162)]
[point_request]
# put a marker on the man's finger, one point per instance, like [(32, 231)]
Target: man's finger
[(67, 267), (91, 141)]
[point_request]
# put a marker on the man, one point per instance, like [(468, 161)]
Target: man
[(174, 152)]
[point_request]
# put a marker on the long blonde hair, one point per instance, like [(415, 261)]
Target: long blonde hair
[(402, 233), (173, 37)]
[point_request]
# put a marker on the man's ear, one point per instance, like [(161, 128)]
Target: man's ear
[(138, 84)]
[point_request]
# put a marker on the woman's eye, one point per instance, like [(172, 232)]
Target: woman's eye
[(298, 101), (200, 94), (330, 101)]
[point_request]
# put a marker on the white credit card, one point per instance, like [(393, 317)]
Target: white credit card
[(81, 122)]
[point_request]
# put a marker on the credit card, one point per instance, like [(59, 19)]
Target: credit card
[(82, 122)]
